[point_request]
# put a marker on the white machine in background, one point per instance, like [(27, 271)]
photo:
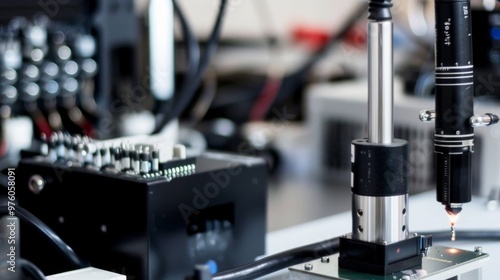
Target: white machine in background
[(337, 113)]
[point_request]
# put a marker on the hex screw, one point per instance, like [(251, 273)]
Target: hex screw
[(36, 183), (478, 250)]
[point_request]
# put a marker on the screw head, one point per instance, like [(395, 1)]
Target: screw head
[(325, 259), (478, 250), (384, 242), (36, 183), (308, 267), (415, 234), (360, 212)]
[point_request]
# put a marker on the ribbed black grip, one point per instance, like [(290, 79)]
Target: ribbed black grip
[(380, 10)]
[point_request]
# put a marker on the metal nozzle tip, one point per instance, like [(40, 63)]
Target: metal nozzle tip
[(453, 209)]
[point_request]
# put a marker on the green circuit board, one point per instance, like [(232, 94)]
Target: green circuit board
[(439, 264)]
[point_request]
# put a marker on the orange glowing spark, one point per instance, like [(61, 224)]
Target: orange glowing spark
[(453, 251), (453, 218)]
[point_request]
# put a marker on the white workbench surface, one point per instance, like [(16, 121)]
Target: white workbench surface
[(425, 215)]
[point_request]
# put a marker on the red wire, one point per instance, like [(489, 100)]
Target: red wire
[(43, 126), (265, 99), (88, 128), (4, 146)]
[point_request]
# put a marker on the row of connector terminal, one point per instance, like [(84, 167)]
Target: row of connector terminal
[(121, 157)]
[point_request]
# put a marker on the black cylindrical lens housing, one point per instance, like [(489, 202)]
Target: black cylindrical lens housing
[(454, 68), (454, 135)]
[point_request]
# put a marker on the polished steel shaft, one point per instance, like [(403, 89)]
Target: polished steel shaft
[(380, 80), (380, 219)]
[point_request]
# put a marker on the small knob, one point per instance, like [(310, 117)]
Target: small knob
[(483, 120), (427, 115)]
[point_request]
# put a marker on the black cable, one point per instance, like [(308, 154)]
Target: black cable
[(206, 98), (47, 232), (186, 96), (306, 253), (193, 48), (466, 235), (294, 80), (279, 261), (193, 54), (4, 180), (31, 269)]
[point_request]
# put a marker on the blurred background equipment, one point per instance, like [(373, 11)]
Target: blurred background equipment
[(82, 73), (334, 118), (64, 64), (281, 80)]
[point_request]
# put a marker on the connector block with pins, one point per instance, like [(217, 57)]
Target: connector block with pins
[(140, 156)]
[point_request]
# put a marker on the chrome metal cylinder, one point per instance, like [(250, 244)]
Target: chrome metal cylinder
[(380, 219), (380, 80)]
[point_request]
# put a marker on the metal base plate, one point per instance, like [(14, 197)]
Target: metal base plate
[(440, 263)]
